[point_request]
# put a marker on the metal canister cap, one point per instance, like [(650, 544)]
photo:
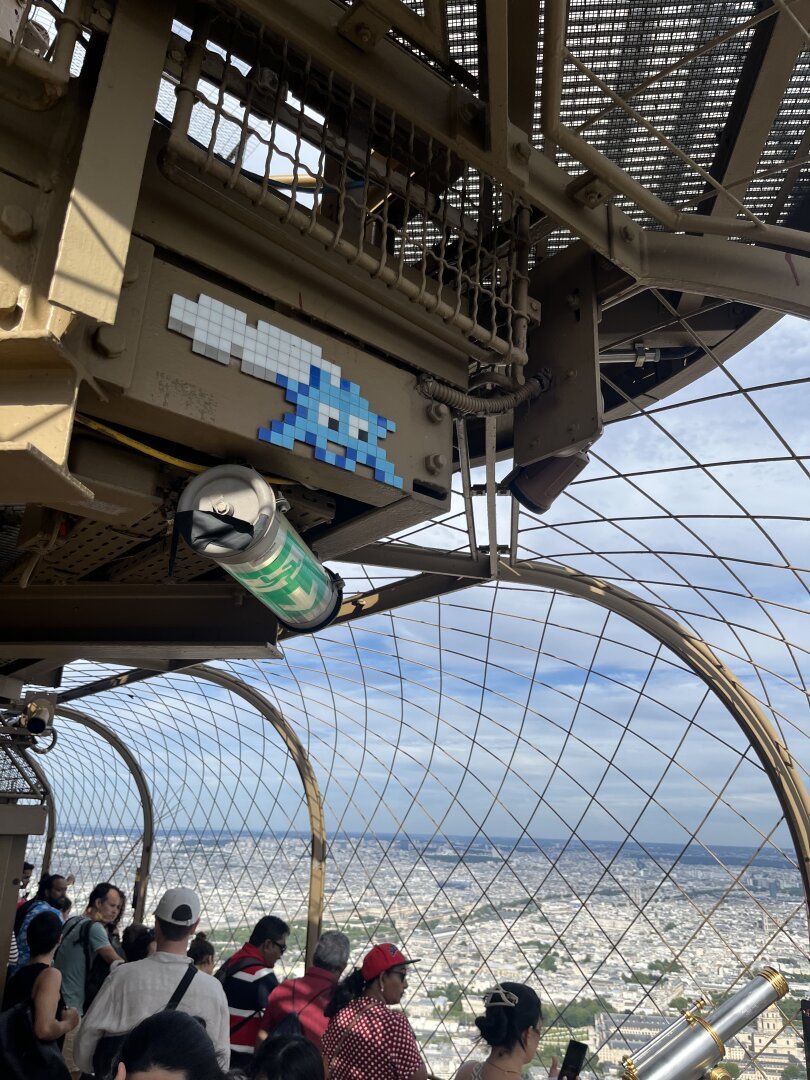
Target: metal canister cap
[(229, 491)]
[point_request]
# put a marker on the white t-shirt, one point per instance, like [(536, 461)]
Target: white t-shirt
[(134, 991)]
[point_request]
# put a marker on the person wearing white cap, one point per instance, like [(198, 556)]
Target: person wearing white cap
[(167, 979)]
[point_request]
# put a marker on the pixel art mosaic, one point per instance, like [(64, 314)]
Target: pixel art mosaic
[(330, 413)]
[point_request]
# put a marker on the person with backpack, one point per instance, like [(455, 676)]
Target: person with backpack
[(168, 1044), (296, 1006), (50, 893), (86, 956), (248, 980), (35, 1020), (165, 980)]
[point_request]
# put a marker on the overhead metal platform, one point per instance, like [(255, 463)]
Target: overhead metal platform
[(402, 259)]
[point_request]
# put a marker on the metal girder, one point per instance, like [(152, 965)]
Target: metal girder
[(17, 823), (524, 33), (614, 179), (774, 49), (397, 594), (423, 560), (713, 267), (95, 239), (116, 623), (775, 757), (131, 762), (35, 765)]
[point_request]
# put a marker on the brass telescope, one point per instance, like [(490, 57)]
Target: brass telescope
[(690, 1048)]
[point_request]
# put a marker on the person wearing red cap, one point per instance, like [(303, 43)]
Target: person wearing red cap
[(366, 1039)]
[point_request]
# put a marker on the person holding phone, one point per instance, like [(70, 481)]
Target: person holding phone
[(511, 1027)]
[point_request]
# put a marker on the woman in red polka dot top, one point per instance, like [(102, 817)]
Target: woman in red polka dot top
[(366, 1039)]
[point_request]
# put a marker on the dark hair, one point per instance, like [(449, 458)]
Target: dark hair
[(65, 904), (286, 1057), (200, 948), (171, 1040), (46, 884), (28, 866), (44, 932), (102, 891), (345, 992), (136, 940), (171, 931), (503, 1023), (268, 927)]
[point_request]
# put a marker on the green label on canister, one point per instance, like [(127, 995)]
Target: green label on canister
[(292, 583)]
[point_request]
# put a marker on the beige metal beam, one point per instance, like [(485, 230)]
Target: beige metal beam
[(524, 33), (776, 759), (34, 763), (317, 823), (764, 99), (92, 254), (422, 560), (710, 266), (17, 823), (123, 751), (397, 594)]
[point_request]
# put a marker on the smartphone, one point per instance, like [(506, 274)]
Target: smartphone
[(573, 1061)]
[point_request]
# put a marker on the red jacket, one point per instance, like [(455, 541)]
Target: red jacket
[(307, 996)]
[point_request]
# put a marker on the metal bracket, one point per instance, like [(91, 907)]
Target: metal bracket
[(365, 24), (590, 190)]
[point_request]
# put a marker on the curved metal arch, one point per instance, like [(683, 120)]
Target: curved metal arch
[(775, 757), (50, 810), (120, 747), (317, 865)]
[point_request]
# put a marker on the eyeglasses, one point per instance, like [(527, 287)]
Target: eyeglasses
[(398, 971), (282, 948)]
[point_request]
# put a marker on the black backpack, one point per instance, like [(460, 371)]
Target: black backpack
[(96, 968), (21, 912), (108, 1047), (24, 1056)]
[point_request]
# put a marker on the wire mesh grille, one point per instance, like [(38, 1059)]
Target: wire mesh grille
[(337, 166), (680, 68), (18, 781), (99, 822), (41, 37), (516, 785)]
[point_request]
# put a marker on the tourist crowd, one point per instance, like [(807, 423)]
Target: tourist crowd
[(82, 1002)]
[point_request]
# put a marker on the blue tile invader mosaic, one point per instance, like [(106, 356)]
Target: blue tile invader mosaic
[(330, 414)]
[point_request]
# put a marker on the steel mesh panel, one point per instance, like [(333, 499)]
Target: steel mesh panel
[(497, 771), (99, 831), (370, 186), (17, 779)]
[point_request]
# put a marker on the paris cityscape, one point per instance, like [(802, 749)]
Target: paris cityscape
[(616, 938)]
